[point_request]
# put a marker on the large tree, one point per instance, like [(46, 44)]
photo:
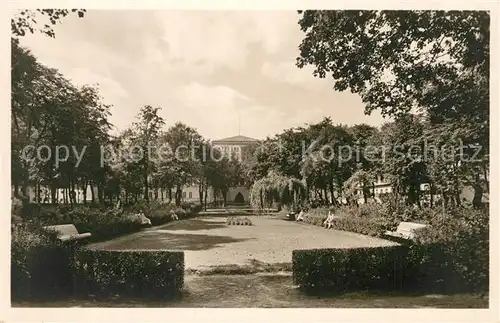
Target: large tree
[(28, 20), (397, 61)]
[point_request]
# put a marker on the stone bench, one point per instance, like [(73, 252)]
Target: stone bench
[(405, 230), (67, 232)]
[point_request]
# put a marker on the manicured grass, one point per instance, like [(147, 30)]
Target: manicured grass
[(208, 242)]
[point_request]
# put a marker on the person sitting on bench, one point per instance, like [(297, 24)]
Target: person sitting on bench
[(329, 220), (300, 217)]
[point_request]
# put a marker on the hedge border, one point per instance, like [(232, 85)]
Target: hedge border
[(128, 273), (349, 269), (46, 274), (58, 271), (409, 267)]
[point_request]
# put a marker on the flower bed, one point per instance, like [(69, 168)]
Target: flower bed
[(234, 220)]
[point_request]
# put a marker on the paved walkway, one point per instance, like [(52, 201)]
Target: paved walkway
[(208, 242)]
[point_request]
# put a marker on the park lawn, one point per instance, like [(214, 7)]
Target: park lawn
[(273, 291), (209, 244)]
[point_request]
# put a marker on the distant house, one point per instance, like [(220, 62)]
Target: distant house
[(232, 147), (62, 194), (383, 186)]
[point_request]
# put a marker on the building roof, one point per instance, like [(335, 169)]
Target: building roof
[(236, 139)]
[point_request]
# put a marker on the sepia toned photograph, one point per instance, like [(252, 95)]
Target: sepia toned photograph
[(250, 159)]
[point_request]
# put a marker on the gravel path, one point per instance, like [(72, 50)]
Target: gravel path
[(256, 291), (208, 242)]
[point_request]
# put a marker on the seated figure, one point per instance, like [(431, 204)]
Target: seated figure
[(329, 220), (175, 217), (118, 204), (300, 217)]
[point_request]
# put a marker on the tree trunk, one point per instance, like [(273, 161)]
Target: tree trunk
[(146, 187), (443, 200), (224, 198), (200, 192), (84, 189), (178, 195), (477, 200), (332, 195), (485, 174), (65, 195), (100, 193), (92, 193), (205, 196), (53, 193), (38, 192), (431, 197)]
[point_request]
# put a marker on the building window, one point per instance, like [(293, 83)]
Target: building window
[(190, 195), (183, 194)]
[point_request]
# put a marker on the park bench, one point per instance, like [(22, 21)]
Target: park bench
[(405, 230), (67, 232)]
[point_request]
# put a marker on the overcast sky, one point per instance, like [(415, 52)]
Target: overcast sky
[(202, 68)]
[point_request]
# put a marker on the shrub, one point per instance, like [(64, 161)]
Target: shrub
[(103, 224), (315, 219), (191, 207), (40, 265), (196, 208), (348, 269), (456, 247), (129, 273), (160, 216), (363, 225)]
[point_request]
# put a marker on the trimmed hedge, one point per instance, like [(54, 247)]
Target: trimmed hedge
[(458, 245), (42, 268), (341, 270), (46, 274), (164, 214), (40, 265), (129, 273), (413, 267), (106, 223)]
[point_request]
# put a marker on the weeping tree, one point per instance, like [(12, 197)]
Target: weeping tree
[(360, 180), (277, 189)]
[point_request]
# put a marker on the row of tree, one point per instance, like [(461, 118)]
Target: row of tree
[(331, 163), (433, 62), (49, 113)]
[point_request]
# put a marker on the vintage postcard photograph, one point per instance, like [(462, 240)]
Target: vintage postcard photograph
[(332, 158)]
